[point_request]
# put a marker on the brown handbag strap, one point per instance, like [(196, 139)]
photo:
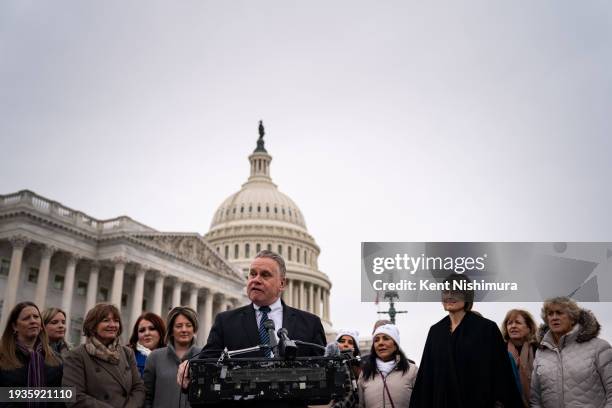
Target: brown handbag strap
[(385, 388)]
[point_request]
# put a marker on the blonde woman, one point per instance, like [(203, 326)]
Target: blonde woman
[(54, 320)]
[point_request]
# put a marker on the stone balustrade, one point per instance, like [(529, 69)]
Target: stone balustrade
[(68, 215)]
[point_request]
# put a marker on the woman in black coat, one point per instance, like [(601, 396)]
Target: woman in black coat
[(26, 360), (465, 363)]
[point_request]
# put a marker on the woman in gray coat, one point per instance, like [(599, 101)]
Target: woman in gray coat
[(162, 364), (103, 372), (573, 367)]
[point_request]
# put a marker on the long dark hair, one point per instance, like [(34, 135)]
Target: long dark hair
[(8, 347), (158, 324), (369, 366), (356, 351)]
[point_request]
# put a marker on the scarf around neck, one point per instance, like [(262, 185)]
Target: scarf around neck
[(35, 365), (385, 367), (59, 346), (110, 354), (524, 362), (143, 350)]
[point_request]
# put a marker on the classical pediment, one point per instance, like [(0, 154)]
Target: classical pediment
[(190, 248)]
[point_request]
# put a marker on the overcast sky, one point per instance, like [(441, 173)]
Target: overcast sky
[(392, 121)]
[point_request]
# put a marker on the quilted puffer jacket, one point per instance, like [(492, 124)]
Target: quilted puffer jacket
[(577, 372)]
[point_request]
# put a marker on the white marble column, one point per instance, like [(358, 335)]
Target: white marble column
[(158, 294), (139, 282), (296, 294), (19, 242), (317, 300), (43, 275), (328, 307), (176, 293), (117, 288), (323, 311), (193, 296), (311, 298), (69, 289), (92, 286), (302, 295), (289, 292), (207, 316), (219, 304), (326, 304)]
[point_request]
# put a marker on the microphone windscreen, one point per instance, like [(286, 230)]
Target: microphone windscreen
[(332, 350), (269, 324)]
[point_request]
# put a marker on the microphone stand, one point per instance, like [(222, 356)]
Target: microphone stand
[(305, 343), (226, 354)]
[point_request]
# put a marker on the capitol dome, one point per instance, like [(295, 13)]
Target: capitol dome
[(258, 217), (259, 201)]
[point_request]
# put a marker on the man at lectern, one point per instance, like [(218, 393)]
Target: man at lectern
[(242, 327)]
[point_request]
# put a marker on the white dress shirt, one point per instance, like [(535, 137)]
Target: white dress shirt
[(275, 314)]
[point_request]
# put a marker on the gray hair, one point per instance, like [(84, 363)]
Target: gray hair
[(568, 305), (276, 257)]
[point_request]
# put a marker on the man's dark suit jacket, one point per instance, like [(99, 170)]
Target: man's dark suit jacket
[(237, 329)]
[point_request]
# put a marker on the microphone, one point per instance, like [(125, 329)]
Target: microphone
[(332, 350), (269, 325), (286, 346)]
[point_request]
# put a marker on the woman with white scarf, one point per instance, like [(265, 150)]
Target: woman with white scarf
[(388, 376), (148, 334)]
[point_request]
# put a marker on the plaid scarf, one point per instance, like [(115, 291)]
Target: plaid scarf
[(110, 354), (36, 363)]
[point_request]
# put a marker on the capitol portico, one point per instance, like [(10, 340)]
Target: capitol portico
[(56, 256)]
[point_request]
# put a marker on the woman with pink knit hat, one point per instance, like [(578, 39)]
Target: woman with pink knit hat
[(388, 376)]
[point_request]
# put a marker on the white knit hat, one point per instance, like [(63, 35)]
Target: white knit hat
[(348, 332), (390, 330)]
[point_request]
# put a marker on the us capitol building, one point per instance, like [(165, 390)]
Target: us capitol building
[(60, 257)]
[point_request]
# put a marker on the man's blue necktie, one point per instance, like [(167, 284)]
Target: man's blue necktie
[(263, 333)]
